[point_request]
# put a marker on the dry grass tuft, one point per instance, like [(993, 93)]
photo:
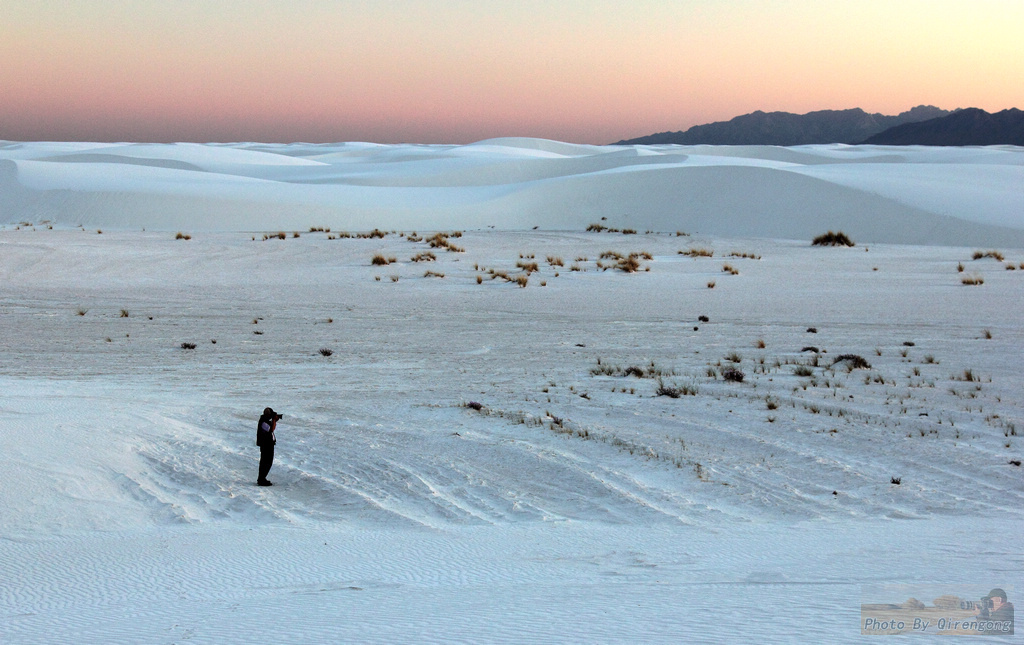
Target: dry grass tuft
[(699, 252)]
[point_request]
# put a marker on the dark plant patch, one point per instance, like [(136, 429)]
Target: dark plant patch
[(832, 239), (854, 361), (733, 374)]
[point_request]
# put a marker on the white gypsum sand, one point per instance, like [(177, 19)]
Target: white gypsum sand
[(576, 504)]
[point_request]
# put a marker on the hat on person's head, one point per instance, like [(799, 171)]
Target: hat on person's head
[(997, 593)]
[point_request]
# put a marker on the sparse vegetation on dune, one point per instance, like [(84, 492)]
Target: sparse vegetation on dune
[(698, 252), (995, 255), (832, 239)]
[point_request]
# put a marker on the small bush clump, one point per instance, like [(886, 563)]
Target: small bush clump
[(698, 253), (995, 255), (188, 345), (853, 361), (733, 374), (832, 239), (325, 351), (380, 260)]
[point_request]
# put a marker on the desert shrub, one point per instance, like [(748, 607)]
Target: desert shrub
[(972, 280), (81, 312), (698, 252), (853, 361), (182, 236), (555, 261), (379, 260), (596, 228), (325, 351), (733, 374), (426, 256), (281, 236), (895, 480), (730, 269), (394, 277), (188, 345), (628, 265), (529, 267), (674, 392), (760, 344), (433, 274), (734, 357), (711, 284), (479, 279), (124, 313), (473, 405), (521, 280), (682, 234), (832, 239), (803, 370), (995, 255)]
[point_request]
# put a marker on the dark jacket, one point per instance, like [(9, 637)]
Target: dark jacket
[(265, 432)]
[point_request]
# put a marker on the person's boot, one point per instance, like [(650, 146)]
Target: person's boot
[(264, 482)]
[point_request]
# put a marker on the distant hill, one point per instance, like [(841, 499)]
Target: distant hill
[(788, 129), (969, 127)]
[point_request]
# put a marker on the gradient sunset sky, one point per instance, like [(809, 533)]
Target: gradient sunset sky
[(432, 71)]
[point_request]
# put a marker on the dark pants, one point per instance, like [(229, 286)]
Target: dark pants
[(266, 461)]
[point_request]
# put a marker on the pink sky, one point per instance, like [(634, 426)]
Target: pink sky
[(590, 71)]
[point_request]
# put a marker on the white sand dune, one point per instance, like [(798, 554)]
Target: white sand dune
[(911, 195), (580, 502)]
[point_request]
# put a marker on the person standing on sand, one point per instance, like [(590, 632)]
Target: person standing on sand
[(265, 439)]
